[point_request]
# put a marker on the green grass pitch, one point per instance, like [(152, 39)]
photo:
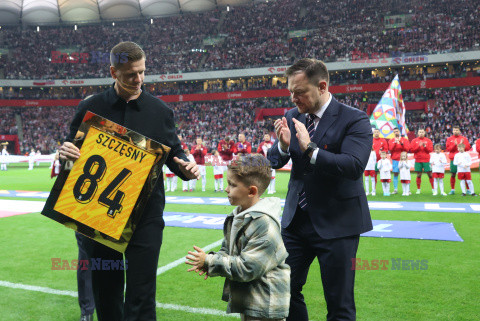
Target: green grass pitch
[(446, 290)]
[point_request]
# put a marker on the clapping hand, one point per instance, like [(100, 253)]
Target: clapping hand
[(283, 133), (302, 134), (197, 260)]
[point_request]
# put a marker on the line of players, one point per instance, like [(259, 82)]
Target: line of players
[(226, 150), (425, 161)]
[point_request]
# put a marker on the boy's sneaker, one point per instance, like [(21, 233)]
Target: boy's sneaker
[(473, 194), (444, 194), (394, 192), (452, 192), (387, 194), (435, 193), (367, 193), (418, 192), (463, 194), (373, 194)]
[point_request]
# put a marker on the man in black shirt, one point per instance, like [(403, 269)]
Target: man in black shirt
[(127, 104)]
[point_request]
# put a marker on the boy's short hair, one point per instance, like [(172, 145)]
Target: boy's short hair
[(383, 152), (461, 145), (437, 146), (252, 170)]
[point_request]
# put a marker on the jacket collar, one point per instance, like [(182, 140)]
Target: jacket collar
[(112, 98)]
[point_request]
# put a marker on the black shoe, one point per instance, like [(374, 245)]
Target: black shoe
[(473, 194), (463, 194), (86, 317)]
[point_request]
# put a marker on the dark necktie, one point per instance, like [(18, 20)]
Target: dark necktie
[(310, 125)]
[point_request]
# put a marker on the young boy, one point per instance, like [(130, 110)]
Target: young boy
[(189, 185), (370, 172), (405, 175), (171, 181), (218, 169), (4, 157), (438, 161), (271, 186), (252, 256), (385, 168), (463, 161)]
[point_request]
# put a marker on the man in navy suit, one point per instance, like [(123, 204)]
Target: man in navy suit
[(326, 209)]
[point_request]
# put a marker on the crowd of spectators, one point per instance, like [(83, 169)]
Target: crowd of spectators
[(346, 27), (255, 35), (457, 70), (451, 106), (8, 123), (45, 127), (215, 120)]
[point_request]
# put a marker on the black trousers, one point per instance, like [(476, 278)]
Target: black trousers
[(141, 262), (303, 244), (84, 278)]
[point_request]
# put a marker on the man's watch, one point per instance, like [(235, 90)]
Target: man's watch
[(310, 147)]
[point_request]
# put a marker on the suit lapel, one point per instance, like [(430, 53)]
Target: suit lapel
[(328, 118), (302, 118)]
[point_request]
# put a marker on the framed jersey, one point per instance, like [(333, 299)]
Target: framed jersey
[(103, 194)]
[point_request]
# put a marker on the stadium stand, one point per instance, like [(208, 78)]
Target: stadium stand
[(261, 30), (256, 35)]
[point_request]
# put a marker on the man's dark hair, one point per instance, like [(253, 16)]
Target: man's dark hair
[(252, 170), (125, 52), (314, 69), (456, 126)]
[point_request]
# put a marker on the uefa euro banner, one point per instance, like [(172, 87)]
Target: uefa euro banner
[(105, 191), (390, 111)]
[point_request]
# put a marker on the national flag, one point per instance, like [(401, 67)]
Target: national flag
[(390, 111)]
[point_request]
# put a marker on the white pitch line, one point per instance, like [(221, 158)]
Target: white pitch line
[(37, 289), (166, 306), (181, 260), (182, 308)]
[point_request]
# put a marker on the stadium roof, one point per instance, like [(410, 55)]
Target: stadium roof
[(41, 12)]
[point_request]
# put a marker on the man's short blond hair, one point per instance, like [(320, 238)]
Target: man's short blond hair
[(124, 52)]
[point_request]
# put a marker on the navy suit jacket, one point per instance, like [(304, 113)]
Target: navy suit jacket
[(336, 200)]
